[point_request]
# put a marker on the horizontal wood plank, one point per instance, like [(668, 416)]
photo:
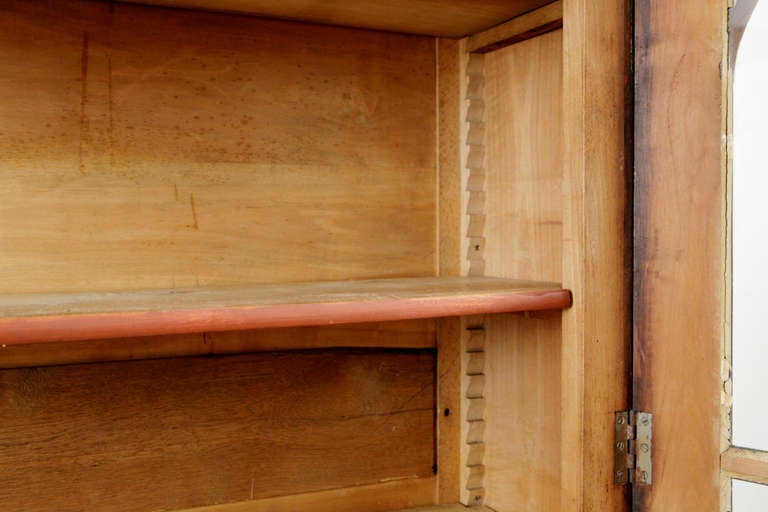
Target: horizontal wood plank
[(542, 20), (415, 334), (745, 464), (36, 318), (384, 497), (181, 433), (449, 508), (448, 18)]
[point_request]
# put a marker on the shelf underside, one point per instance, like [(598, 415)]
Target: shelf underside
[(38, 318), (447, 18), (448, 508)]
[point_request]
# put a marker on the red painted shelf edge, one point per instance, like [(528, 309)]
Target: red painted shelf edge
[(88, 326)]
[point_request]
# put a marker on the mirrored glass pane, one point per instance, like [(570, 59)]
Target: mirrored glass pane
[(749, 497), (750, 235)]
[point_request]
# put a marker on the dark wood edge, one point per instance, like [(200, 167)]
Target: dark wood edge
[(517, 38), (78, 327)]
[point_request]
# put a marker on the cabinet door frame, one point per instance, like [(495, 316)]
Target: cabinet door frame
[(680, 239)]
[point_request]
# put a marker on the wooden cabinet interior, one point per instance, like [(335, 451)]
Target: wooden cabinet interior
[(221, 173)]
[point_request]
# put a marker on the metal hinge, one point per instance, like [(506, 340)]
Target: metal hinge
[(633, 448)]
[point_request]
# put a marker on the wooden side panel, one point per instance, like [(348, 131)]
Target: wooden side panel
[(522, 416), (597, 220), (141, 149), (680, 246), (179, 433), (523, 231), (524, 162)]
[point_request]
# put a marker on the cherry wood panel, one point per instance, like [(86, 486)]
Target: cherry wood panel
[(153, 148), (597, 248), (178, 433), (523, 236), (66, 317), (680, 246)]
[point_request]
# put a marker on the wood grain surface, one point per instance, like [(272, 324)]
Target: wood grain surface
[(522, 412), (449, 18), (680, 244), (147, 148), (179, 433), (524, 201), (67, 317), (597, 248), (384, 497), (745, 464), (524, 162), (532, 24), (403, 334)]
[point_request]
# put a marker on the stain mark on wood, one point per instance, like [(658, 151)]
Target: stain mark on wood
[(83, 100), (194, 224), (110, 132), (523, 36)]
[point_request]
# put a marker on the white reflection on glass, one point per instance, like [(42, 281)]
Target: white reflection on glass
[(749, 497), (750, 236)]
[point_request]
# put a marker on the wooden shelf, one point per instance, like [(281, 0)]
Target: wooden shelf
[(39, 318), (446, 18), (448, 508)]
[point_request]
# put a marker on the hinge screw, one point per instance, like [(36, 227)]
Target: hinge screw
[(645, 422), (644, 447), (619, 474), (620, 445), (620, 420), (644, 476)]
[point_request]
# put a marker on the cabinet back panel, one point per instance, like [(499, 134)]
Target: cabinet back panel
[(179, 433), (152, 148), (400, 334)]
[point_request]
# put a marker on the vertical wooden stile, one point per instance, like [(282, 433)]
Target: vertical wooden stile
[(597, 245), (450, 239)]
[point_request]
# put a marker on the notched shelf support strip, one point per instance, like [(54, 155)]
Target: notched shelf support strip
[(473, 449), (475, 188), (473, 333)]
